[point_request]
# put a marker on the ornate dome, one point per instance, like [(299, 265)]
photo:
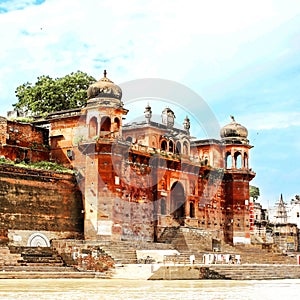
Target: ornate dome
[(234, 132), (105, 89)]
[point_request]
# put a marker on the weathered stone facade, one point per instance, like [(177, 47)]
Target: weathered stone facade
[(23, 141), (137, 180)]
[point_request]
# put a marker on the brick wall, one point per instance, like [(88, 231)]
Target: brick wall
[(23, 141), (26, 135), (39, 201)]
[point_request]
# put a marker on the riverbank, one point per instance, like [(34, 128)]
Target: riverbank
[(171, 272), (94, 289)]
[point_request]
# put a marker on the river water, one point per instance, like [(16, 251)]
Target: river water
[(114, 289)]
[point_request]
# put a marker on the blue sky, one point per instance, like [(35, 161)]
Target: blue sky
[(241, 57)]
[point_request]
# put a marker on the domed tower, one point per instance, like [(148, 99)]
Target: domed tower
[(234, 137), (102, 121), (104, 109), (237, 175)]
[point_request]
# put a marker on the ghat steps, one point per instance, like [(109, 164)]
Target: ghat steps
[(37, 256), (190, 241), (35, 262), (226, 272), (123, 252), (257, 272)]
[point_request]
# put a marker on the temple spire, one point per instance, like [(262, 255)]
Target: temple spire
[(105, 73)]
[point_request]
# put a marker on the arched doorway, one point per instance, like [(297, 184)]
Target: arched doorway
[(177, 200)]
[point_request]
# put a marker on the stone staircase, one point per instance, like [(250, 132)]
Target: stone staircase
[(186, 242), (120, 252), (37, 256), (36, 262), (168, 235), (257, 272), (252, 254), (227, 272), (190, 241), (124, 252)]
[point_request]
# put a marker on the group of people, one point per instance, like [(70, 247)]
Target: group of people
[(213, 258)]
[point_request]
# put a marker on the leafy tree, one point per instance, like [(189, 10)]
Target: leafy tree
[(48, 95), (254, 192)]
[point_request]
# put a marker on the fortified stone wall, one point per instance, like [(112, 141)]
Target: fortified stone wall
[(33, 201)]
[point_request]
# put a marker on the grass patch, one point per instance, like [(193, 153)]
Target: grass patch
[(41, 165)]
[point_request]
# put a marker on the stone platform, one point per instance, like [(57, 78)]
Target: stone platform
[(230, 272)]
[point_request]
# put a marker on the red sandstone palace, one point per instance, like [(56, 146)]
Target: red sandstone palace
[(132, 181)]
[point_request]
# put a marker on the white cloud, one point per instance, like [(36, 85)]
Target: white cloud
[(195, 42), (270, 120)]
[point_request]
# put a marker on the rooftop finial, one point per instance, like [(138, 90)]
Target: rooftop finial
[(232, 118), (105, 73)]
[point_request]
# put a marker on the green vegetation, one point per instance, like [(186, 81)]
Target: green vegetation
[(41, 165), (24, 119), (48, 95), (254, 192)]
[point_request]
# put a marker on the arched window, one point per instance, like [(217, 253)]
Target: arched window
[(171, 146), (205, 160), (105, 124), (178, 148), (93, 127), (185, 148), (163, 145), (228, 160), (116, 124), (238, 160)]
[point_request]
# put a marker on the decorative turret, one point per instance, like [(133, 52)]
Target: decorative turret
[(187, 125), (148, 113), (168, 117)]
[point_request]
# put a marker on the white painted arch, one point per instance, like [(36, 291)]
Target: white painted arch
[(38, 239)]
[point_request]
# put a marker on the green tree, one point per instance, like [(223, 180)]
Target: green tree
[(254, 192), (48, 95)]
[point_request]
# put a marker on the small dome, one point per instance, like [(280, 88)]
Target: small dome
[(104, 88), (234, 132)]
